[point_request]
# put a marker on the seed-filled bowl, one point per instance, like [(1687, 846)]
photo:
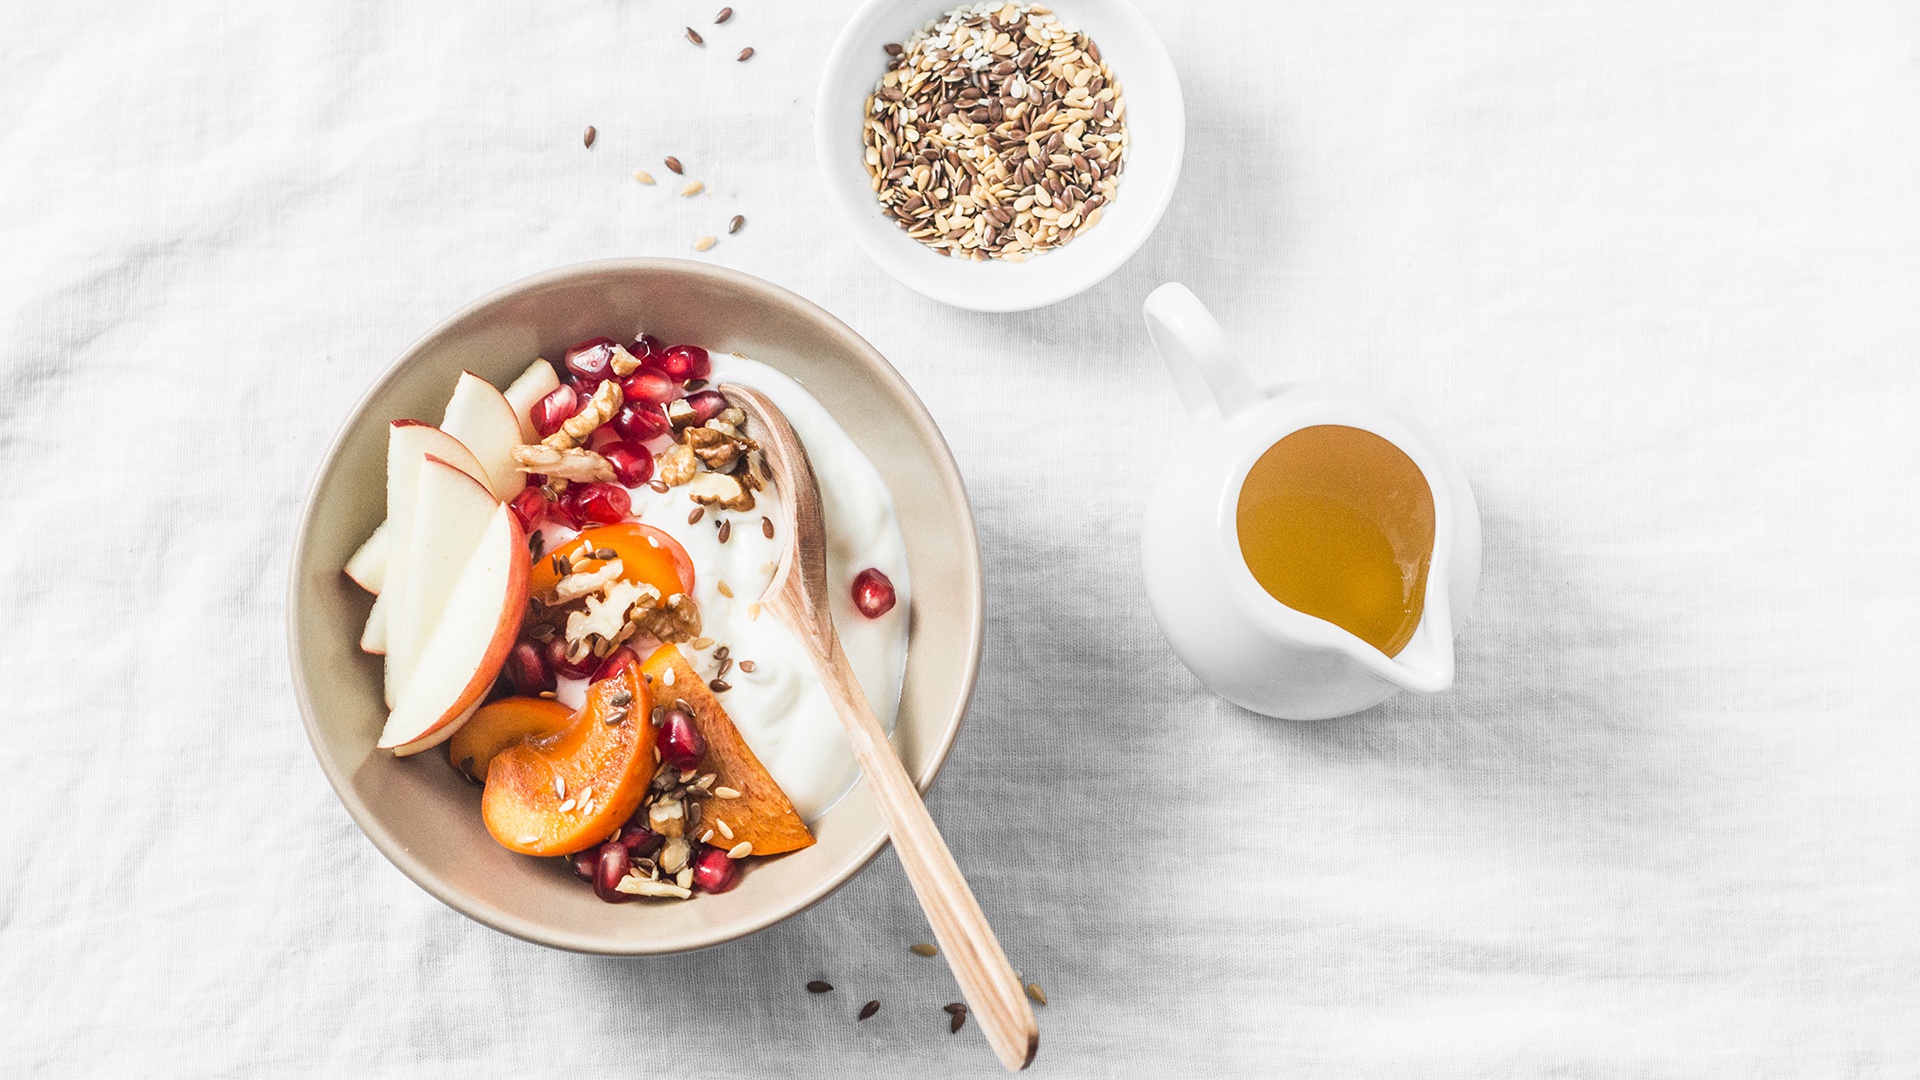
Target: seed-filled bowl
[(1155, 127), (418, 810)]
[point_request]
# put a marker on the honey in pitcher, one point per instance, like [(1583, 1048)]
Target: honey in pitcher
[(1337, 523)]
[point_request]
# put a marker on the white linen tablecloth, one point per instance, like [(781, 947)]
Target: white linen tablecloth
[(1651, 268)]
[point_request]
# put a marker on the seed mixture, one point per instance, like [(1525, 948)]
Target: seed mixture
[(996, 132)]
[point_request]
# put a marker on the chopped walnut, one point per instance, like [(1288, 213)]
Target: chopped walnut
[(733, 416), (572, 463), (753, 475), (624, 363), (677, 465), (716, 448), (719, 489), (676, 620), (574, 586), (598, 410), (607, 614), (680, 414)]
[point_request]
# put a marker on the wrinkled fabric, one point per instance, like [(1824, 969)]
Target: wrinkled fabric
[(1649, 268)]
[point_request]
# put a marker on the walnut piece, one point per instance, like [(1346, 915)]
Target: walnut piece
[(598, 410), (571, 463), (719, 489), (677, 465), (672, 622), (574, 586), (680, 414), (624, 363), (606, 614), (717, 447)]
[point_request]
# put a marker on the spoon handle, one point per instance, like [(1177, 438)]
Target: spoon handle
[(994, 995)]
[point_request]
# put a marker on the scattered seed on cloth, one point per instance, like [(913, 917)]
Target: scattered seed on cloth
[(869, 1009), (673, 165), (694, 36), (746, 54), (589, 136), (725, 14), (734, 227), (643, 176), (819, 986), (704, 243), (925, 950)]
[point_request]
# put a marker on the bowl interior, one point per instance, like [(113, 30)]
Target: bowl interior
[(426, 819), (1156, 121)]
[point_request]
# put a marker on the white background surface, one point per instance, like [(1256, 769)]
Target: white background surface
[(1653, 269)]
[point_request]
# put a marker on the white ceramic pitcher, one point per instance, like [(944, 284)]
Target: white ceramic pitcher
[(1245, 645)]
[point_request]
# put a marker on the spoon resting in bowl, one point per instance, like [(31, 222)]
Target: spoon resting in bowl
[(798, 597)]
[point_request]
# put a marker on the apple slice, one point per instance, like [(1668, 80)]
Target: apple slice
[(373, 639), (368, 566), (475, 631), (409, 442), (525, 392), (480, 417), (451, 512)]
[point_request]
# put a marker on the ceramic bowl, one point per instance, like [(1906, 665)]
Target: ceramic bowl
[(418, 811), (1156, 121)]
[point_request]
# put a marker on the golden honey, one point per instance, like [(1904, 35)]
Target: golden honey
[(1337, 523)]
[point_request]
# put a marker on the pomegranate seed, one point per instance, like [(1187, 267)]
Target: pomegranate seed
[(529, 506), (632, 463), (640, 421), (615, 661), (589, 360), (604, 503), (646, 347), (682, 361), (527, 669), (706, 405), (558, 663), (555, 409), (680, 743), (586, 863), (613, 864), (713, 871), (640, 840), (650, 385), (872, 593)]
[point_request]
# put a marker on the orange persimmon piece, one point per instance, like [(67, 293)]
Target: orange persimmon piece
[(763, 815), (503, 723), (602, 761), (647, 556)]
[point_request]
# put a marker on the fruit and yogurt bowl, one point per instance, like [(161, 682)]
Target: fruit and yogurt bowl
[(567, 598)]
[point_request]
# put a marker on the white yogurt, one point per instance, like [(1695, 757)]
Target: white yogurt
[(780, 707)]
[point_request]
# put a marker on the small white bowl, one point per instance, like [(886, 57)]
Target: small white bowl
[(1156, 122)]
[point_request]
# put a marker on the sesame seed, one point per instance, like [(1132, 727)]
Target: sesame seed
[(643, 176), (725, 589), (740, 850), (725, 793), (924, 949), (721, 824)]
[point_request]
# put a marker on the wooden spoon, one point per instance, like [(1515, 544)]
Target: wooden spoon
[(798, 597)]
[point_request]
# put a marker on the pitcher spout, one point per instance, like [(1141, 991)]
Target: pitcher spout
[(1425, 665)]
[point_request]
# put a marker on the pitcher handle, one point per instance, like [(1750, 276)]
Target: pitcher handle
[(1205, 369)]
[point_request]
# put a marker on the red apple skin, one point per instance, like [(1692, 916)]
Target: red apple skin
[(513, 609)]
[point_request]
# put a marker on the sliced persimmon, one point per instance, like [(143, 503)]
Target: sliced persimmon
[(762, 815), (503, 723), (647, 555), (602, 763)]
